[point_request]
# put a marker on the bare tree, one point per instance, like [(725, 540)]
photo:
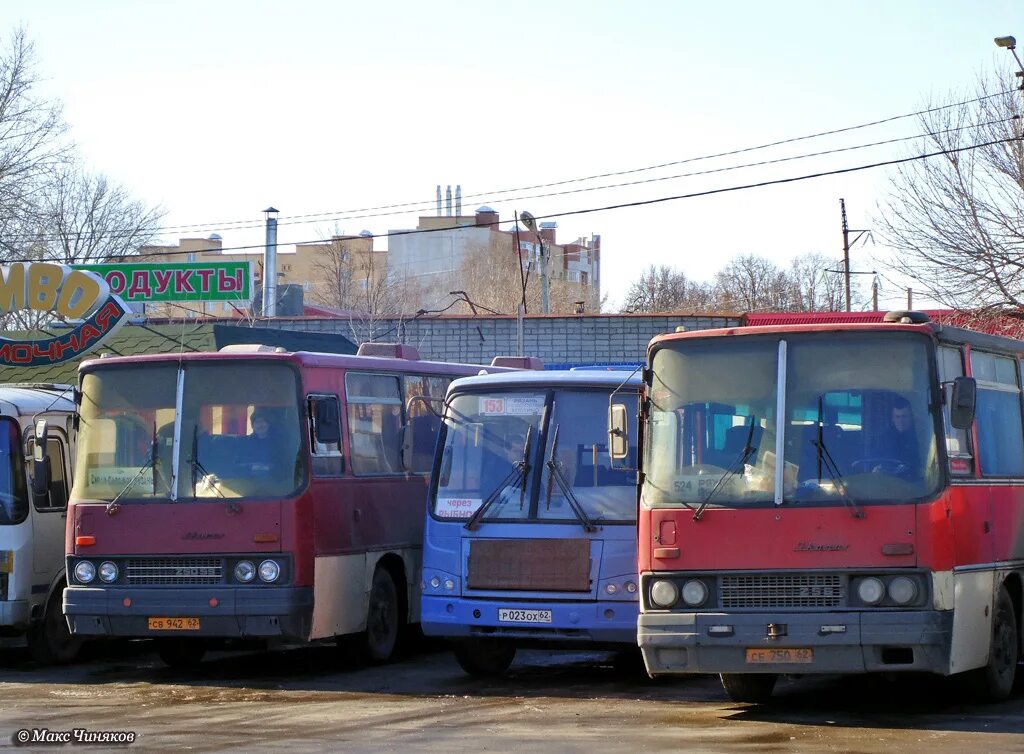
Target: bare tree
[(817, 286), (492, 281), (957, 220), (334, 282), (749, 283), (665, 289), (381, 296), (32, 144), (86, 218)]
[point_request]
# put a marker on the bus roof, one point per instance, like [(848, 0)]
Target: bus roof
[(29, 399), (943, 333), (301, 358), (553, 378)]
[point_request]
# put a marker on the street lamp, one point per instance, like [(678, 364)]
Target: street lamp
[(1010, 43), (531, 225)]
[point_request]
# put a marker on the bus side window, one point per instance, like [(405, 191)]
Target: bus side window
[(325, 435), (422, 423), (374, 423), (958, 449), (58, 497), (998, 417)]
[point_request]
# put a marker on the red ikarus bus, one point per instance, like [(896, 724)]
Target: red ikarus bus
[(832, 498), (252, 493)]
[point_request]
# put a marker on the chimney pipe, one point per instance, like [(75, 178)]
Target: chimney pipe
[(439, 200), (458, 200), (448, 200)]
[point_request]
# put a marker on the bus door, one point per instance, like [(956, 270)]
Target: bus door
[(49, 517)]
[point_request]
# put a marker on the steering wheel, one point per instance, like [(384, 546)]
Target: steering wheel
[(891, 466)]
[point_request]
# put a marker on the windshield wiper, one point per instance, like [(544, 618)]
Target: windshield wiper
[(195, 465), (149, 463), (520, 471), (826, 461), (555, 473), (734, 468)]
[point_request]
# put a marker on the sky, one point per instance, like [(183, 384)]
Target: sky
[(216, 110)]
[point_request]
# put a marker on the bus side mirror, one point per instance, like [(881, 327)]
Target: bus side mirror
[(963, 402), (328, 422), (618, 432), (40, 467)]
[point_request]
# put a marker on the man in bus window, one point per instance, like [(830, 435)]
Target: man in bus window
[(263, 445), (898, 443)]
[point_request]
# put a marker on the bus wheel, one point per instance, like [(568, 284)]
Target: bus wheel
[(749, 687), (484, 658), (181, 654), (383, 617), (994, 681), (50, 640)]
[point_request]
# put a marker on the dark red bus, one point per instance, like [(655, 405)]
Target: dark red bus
[(252, 493)]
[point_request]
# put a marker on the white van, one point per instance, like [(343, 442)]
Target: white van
[(33, 510)]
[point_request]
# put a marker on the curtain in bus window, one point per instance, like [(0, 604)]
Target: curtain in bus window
[(13, 490), (374, 423), (998, 417)]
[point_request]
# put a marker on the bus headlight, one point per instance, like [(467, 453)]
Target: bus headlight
[(269, 570), (664, 593), (903, 590), (108, 572), (695, 593), (611, 589), (871, 590), (85, 572), (631, 587), (245, 571), (435, 583)]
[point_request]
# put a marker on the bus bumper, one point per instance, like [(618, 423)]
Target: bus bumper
[(596, 622), (15, 613), (849, 642), (262, 612)]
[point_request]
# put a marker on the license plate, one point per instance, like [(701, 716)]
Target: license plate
[(174, 624), (782, 655), (508, 615)]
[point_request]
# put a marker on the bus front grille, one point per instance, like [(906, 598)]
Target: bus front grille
[(173, 571), (535, 565), (782, 590)]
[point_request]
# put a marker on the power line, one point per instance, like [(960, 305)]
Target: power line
[(408, 207), (658, 200)]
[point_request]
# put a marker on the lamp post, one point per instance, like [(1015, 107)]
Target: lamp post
[(545, 297), (1010, 43)]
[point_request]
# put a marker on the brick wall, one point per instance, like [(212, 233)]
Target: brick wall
[(570, 340)]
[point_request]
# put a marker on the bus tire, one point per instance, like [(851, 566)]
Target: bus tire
[(181, 653), (994, 681), (484, 658), (749, 687), (383, 617), (50, 640)]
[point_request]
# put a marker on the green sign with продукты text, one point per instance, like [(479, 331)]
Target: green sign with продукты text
[(179, 281)]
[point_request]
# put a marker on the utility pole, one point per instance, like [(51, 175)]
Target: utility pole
[(874, 294), (910, 299), (270, 265), (847, 243)]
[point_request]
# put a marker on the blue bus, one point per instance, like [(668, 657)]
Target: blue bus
[(530, 535)]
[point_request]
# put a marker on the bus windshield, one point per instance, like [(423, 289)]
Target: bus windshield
[(858, 423), (235, 433), (13, 491), (567, 463)]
